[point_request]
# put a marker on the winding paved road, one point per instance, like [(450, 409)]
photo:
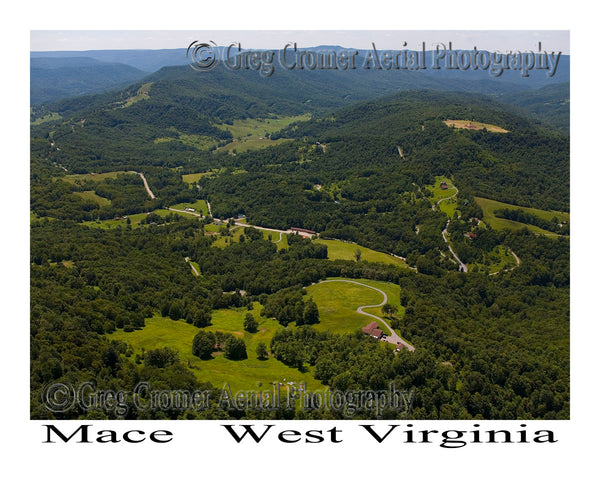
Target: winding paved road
[(394, 338)]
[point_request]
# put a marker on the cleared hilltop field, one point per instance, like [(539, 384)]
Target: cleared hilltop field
[(339, 250), (490, 206)]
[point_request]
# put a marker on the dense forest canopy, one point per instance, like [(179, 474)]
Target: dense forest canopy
[(388, 175)]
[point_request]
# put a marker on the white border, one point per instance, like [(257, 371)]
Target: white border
[(200, 449)]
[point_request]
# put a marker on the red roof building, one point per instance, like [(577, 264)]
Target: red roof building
[(373, 330)]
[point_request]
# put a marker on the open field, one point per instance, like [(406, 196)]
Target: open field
[(201, 142), (237, 231), (489, 206), (194, 177), (199, 206), (47, 118), (141, 94), (477, 125), (91, 195), (135, 220), (438, 193), (253, 133), (260, 127), (95, 177), (338, 301), (246, 144), (339, 250), (448, 206), (248, 374)]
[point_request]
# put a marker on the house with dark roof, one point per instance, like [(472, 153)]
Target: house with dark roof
[(373, 330)]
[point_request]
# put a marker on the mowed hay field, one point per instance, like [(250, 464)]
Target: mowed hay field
[(91, 195), (194, 177), (95, 177), (478, 125), (248, 374), (338, 250), (338, 300), (252, 133), (199, 207), (489, 206)]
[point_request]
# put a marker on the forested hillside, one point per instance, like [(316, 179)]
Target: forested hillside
[(201, 200)]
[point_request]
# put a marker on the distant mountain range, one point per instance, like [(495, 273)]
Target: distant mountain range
[(53, 78), (226, 94)]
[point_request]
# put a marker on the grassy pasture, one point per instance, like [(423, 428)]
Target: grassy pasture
[(200, 206), (438, 193), (135, 220), (246, 144), (248, 374), (47, 118), (201, 142), (259, 127), (91, 195), (339, 250), (252, 133), (489, 206), (194, 177), (338, 301), (478, 125), (95, 177)]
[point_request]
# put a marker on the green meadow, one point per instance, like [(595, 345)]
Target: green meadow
[(91, 195), (201, 142), (338, 301), (339, 250), (248, 374), (194, 177), (199, 206), (135, 220), (478, 125), (448, 206), (489, 206), (252, 133), (96, 177)]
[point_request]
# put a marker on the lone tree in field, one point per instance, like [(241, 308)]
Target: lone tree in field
[(235, 348), (311, 313), (203, 344), (357, 254), (250, 323), (261, 351)]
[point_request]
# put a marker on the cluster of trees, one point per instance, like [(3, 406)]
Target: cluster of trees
[(206, 342), (288, 306)]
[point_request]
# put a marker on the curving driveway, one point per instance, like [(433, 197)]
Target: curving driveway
[(394, 338)]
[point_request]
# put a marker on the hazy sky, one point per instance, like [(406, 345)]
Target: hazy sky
[(503, 40)]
